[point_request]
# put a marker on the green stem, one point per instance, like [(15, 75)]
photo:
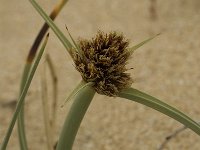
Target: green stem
[(74, 118), (22, 97), (21, 128), (31, 56)]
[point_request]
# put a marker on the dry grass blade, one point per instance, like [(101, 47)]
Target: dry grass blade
[(31, 56), (49, 113), (22, 96), (69, 47), (54, 107), (43, 30), (45, 109)]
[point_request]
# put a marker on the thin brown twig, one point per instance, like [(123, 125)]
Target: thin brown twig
[(153, 9), (172, 136), (49, 113)]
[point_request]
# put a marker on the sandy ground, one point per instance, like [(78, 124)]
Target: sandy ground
[(167, 68)]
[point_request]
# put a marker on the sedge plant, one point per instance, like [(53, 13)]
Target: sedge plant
[(101, 62), (29, 62)]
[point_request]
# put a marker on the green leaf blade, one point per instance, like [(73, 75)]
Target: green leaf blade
[(73, 120), (21, 126), (76, 91), (132, 49), (56, 30), (145, 99), (22, 96), (30, 58)]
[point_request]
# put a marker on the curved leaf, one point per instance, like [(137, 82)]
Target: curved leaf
[(22, 96), (30, 58), (56, 30), (73, 120), (20, 126), (76, 91), (145, 99)]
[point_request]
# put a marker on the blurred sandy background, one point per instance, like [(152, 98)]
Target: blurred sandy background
[(167, 68)]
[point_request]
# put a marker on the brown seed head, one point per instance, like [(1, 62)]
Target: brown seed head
[(104, 62)]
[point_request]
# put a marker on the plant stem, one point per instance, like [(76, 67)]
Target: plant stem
[(21, 128), (22, 97), (31, 56), (73, 120)]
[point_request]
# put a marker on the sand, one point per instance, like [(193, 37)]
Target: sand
[(167, 68)]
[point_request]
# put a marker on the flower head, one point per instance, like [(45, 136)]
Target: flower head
[(103, 61)]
